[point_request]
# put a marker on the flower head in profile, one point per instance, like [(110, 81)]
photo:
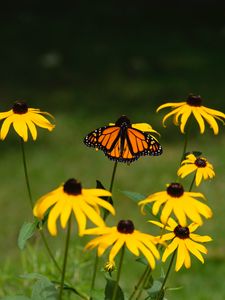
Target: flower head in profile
[(124, 234), (23, 118), (202, 168), (184, 241), (109, 267), (71, 197), (193, 106), (123, 141), (182, 204)]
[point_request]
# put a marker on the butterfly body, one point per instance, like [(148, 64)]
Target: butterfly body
[(122, 142)]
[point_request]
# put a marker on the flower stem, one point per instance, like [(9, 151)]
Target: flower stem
[(166, 277), (26, 173), (144, 283), (192, 183), (49, 250), (118, 274), (65, 258), (138, 285), (113, 176), (31, 203), (104, 218), (185, 145)]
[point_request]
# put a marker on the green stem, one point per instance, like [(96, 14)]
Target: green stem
[(137, 286), (49, 250), (185, 145), (144, 283), (113, 176), (65, 258), (118, 274), (192, 183), (166, 277), (31, 203), (104, 218), (94, 275), (26, 173)]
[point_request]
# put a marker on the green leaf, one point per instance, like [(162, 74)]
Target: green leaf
[(21, 297), (44, 289), (26, 232), (155, 289), (136, 197), (109, 289)]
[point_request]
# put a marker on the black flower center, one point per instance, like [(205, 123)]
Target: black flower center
[(125, 226), (72, 187), (175, 190), (20, 107), (193, 100), (181, 232), (123, 121), (200, 162)]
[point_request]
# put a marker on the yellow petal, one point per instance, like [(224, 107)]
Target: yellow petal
[(103, 203), (213, 112), (171, 104), (53, 215), (184, 119), (96, 192), (32, 129), (167, 236), (80, 217), (181, 251), (191, 247), (187, 259), (106, 242), (198, 177), (100, 230), (21, 128), (92, 214), (185, 170), (148, 255), (5, 126), (4, 115), (40, 121), (197, 114), (43, 204), (170, 249), (144, 127), (66, 211), (173, 112), (132, 246), (211, 121), (116, 248), (200, 238), (166, 212)]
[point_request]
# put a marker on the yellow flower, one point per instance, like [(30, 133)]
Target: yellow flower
[(24, 118), (193, 105), (72, 197), (200, 165), (184, 241), (124, 234), (182, 204), (110, 267)]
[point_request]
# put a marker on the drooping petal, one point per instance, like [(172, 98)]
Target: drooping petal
[(20, 127), (108, 241), (32, 129), (41, 121), (171, 104), (184, 119), (197, 114), (156, 206), (6, 114), (92, 214), (148, 255), (53, 215), (65, 214), (213, 112), (187, 259), (132, 246), (144, 127), (198, 177), (167, 236), (181, 251), (102, 203), (170, 249), (192, 248), (43, 204), (173, 112), (211, 121), (180, 214), (185, 170), (166, 212), (100, 230), (6, 125), (96, 192), (80, 217), (116, 248)]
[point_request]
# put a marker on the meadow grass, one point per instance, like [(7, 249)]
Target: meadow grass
[(60, 155)]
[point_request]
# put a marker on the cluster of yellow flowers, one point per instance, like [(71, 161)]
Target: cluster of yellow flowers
[(175, 205)]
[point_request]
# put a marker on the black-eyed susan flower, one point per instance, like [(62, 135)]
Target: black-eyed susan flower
[(199, 164), (71, 197), (184, 241), (182, 204), (124, 234), (23, 118), (193, 106), (123, 141)]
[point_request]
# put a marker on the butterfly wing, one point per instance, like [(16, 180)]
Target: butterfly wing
[(123, 145)]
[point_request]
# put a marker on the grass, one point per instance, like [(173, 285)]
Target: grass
[(51, 163)]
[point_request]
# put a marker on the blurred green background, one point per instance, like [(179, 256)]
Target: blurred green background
[(87, 64)]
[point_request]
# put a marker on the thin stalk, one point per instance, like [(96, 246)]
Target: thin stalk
[(166, 277), (138, 285), (185, 145), (65, 258), (144, 283), (31, 202), (26, 173), (118, 273), (104, 218), (49, 250), (192, 183)]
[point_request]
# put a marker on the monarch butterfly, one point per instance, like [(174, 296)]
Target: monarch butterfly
[(122, 142)]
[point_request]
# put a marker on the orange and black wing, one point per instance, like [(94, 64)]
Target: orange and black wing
[(123, 145)]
